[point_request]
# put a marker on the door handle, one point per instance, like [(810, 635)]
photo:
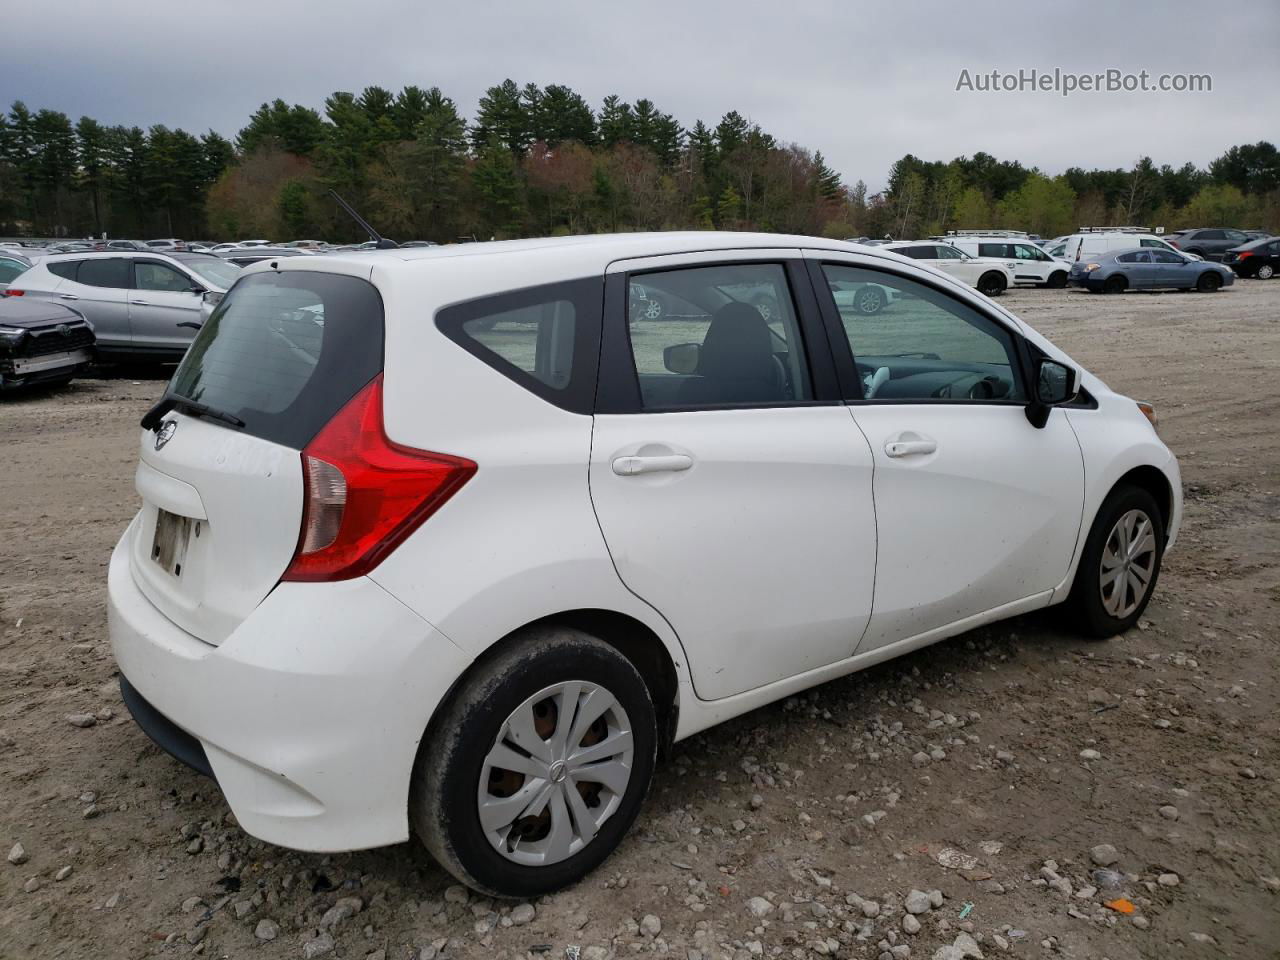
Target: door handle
[(672, 463), (68, 296), (141, 303), (907, 448)]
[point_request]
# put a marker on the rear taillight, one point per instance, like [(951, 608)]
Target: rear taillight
[(1243, 253), (364, 493), (14, 293), (1175, 244)]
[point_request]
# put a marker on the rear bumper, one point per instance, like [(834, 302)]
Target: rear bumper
[(308, 715)]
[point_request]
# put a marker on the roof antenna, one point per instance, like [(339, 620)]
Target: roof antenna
[(380, 242)]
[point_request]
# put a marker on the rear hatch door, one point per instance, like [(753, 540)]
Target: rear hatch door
[(220, 473)]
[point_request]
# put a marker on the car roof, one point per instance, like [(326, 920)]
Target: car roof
[(83, 254)]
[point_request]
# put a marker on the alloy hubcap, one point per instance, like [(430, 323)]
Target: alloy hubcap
[(1128, 563), (557, 771)]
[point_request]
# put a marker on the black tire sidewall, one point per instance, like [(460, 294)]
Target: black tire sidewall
[(447, 804), (1086, 596)]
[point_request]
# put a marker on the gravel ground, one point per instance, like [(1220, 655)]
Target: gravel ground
[(988, 794)]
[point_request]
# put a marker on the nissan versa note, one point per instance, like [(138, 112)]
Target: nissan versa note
[(450, 541)]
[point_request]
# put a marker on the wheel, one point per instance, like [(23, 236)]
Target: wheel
[(1057, 280), (1115, 284), (991, 284), (869, 301), (650, 309), (537, 765), (768, 308), (1120, 564), (1209, 282), (1265, 271)]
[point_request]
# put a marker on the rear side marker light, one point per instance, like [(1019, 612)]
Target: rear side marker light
[(14, 293), (364, 493)]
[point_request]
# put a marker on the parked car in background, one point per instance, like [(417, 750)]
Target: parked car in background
[(41, 342), (244, 256), (990, 277), (1146, 268), (1031, 264), (255, 243), (304, 244), (419, 243), (126, 245), (718, 512), (1209, 243), (220, 247), (12, 266), (1258, 234), (1092, 243), (1257, 258), (167, 245), (143, 306)]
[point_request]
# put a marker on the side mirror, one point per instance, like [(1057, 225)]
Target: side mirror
[(1055, 384), (682, 357)]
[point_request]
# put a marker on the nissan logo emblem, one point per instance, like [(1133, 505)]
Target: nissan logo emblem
[(166, 432)]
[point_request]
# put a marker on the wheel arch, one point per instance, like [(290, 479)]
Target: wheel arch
[(1152, 480), (631, 637)]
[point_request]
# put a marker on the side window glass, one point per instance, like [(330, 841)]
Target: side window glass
[(947, 252), (66, 269), (544, 338), (1127, 258), (918, 253), (10, 269), (923, 345), (158, 276), (537, 339), (716, 336), (104, 273)]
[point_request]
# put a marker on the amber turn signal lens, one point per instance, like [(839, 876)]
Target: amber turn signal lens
[(1149, 412)]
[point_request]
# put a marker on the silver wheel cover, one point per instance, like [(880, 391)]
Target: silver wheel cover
[(557, 771), (1128, 563)]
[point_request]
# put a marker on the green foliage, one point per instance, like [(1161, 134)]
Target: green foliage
[(1040, 206)]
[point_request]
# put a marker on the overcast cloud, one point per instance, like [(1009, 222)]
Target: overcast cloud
[(864, 84)]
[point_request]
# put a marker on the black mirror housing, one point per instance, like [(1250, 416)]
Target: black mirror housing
[(1055, 383)]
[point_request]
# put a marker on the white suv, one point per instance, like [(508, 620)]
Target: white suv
[(448, 541), (1031, 264), (991, 277)]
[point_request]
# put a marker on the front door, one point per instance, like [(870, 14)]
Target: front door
[(976, 509), (731, 485), (161, 301)]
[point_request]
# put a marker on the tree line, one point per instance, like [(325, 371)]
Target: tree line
[(538, 161)]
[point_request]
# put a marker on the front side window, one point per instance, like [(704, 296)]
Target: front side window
[(109, 272), (148, 275), (1024, 251), (929, 346), (947, 252), (1166, 256), (716, 336), (1235, 235)]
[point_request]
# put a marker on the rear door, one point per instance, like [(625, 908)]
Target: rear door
[(163, 298), (732, 488), (976, 509), (222, 504), (97, 288)]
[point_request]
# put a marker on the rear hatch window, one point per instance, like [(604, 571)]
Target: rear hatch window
[(283, 352)]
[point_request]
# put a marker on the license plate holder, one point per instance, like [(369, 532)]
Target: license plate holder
[(169, 546)]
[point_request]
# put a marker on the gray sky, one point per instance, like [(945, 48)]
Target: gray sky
[(862, 83)]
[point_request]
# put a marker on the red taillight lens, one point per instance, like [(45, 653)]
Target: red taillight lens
[(1175, 244), (1244, 253), (364, 493), (14, 293)]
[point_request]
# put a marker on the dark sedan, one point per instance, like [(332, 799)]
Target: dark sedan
[(1208, 243), (1260, 258), (41, 343), (1148, 268)]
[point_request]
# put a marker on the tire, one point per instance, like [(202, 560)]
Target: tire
[(1097, 611), (650, 309), (1057, 280), (455, 774), (1209, 282), (1115, 284), (868, 301), (1265, 271), (991, 284)]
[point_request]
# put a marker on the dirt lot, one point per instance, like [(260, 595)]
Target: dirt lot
[(829, 806)]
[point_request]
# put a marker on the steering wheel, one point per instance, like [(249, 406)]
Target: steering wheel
[(878, 380)]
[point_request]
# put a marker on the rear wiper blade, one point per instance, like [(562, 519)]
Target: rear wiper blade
[(151, 420)]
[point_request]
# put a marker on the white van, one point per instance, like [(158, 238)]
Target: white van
[(1079, 246), (1031, 264)]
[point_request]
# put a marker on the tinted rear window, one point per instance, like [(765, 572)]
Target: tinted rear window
[(65, 269), (104, 273), (284, 352)]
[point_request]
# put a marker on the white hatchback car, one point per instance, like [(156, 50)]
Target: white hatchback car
[(990, 276), (449, 541)]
